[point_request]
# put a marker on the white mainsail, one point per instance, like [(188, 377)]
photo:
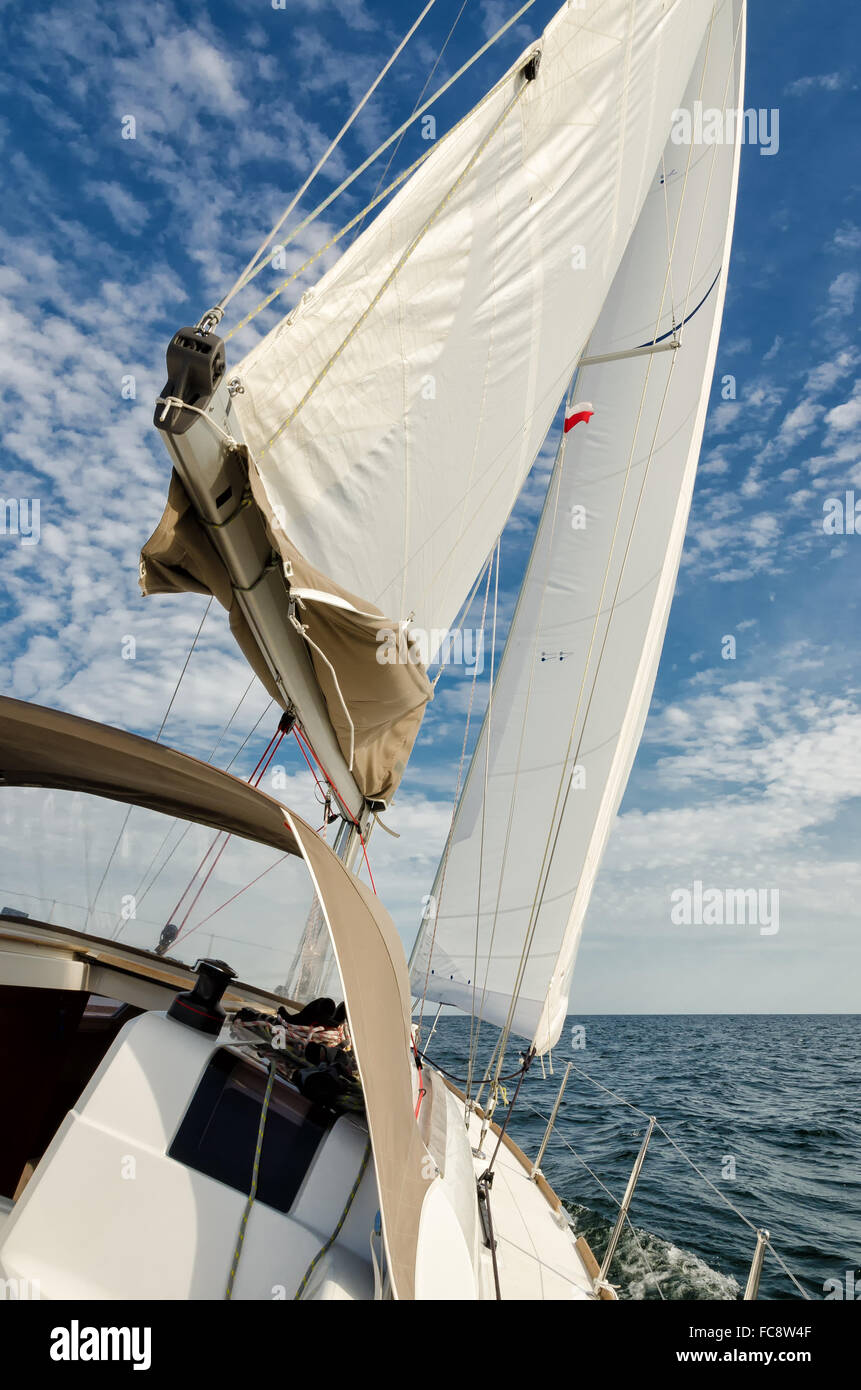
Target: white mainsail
[(392, 417), (576, 677)]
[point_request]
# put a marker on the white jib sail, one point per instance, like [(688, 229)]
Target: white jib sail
[(394, 414), (580, 662)]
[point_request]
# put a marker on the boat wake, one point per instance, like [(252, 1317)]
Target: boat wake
[(647, 1267)]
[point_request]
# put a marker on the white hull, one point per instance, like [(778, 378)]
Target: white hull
[(104, 1212)]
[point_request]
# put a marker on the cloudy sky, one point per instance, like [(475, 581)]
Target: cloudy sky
[(750, 769)]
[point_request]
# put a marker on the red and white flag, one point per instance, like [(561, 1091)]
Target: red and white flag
[(582, 411)]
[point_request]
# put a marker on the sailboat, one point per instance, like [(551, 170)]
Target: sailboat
[(262, 1121)]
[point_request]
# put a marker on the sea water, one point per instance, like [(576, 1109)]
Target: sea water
[(768, 1107)]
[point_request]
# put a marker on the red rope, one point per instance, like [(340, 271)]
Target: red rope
[(422, 1090), (254, 780), (303, 744), (367, 862), (313, 755), (238, 894)]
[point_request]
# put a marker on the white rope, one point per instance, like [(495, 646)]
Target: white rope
[(488, 725), (427, 82), (174, 403), (327, 246), (437, 894), (557, 471), (351, 178), (302, 629), (246, 274)]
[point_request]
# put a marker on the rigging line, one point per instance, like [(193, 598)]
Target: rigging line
[(327, 246), (527, 1062), (249, 736), (259, 773), (687, 318), (667, 276), (238, 894), (428, 80), (548, 861), (464, 610), (211, 846), (189, 824), (400, 263), (729, 74), (437, 894), (157, 737), (534, 916), (183, 671), (788, 1272), (243, 278), (558, 468), (473, 1044), (305, 744), (321, 207), (613, 1199), (174, 822), (337, 1231), (553, 839), (367, 861)]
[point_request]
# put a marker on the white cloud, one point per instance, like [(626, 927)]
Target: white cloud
[(842, 293), (847, 416), (129, 213), (847, 237), (826, 375), (822, 82)]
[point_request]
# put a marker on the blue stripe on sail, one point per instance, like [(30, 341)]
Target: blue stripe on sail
[(687, 318)]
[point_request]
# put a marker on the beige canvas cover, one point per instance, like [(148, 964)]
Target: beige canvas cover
[(378, 1004), (42, 747), (384, 701)]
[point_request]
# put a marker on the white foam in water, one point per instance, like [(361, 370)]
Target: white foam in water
[(654, 1267)]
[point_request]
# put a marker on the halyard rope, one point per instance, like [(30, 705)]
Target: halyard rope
[(255, 1172), (337, 1231), (419, 111), (250, 268)]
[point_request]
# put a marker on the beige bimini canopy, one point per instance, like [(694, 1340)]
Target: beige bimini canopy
[(46, 748)]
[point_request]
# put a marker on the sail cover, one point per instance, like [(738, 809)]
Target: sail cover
[(579, 666), (392, 417)]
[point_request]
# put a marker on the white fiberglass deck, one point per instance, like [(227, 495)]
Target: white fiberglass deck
[(537, 1256)]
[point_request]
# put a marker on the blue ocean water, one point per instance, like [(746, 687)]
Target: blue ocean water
[(767, 1106)]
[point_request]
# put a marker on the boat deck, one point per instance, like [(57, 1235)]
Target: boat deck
[(538, 1256)]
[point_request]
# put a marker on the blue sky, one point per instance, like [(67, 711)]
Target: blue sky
[(750, 769)]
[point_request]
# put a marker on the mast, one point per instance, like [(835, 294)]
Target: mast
[(205, 444)]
